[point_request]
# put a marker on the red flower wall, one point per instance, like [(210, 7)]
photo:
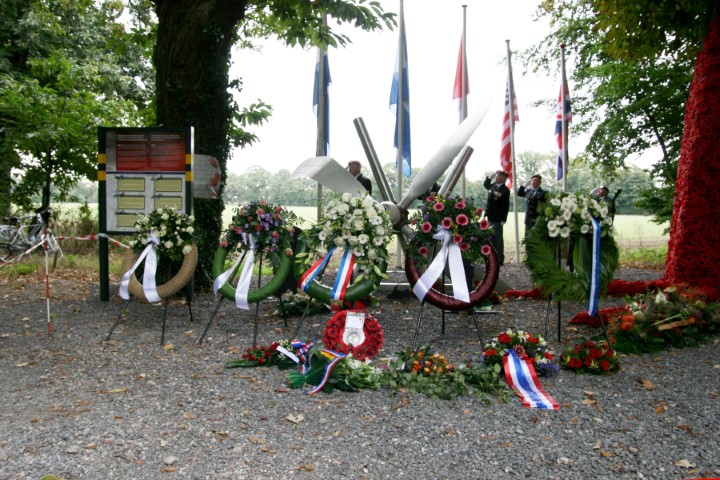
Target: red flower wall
[(694, 245)]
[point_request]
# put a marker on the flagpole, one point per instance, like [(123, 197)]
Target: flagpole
[(564, 131), (511, 94), (463, 83), (400, 119), (321, 145)]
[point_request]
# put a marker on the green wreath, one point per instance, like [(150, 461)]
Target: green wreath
[(270, 227), (565, 218)]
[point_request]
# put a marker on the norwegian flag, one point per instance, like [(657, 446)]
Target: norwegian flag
[(505, 146), (558, 127)]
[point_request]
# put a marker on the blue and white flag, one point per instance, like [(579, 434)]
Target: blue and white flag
[(398, 95), (324, 130), (520, 375)]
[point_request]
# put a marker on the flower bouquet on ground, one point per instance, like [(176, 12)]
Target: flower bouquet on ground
[(430, 373), (266, 356), (670, 317), (294, 304), (526, 345), (329, 370), (590, 357), (363, 343)]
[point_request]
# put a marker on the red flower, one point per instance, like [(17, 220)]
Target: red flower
[(604, 365), (457, 238), (484, 224), (532, 339), (460, 205), (423, 250), (261, 361), (548, 355), (490, 353), (464, 246), (439, 207), (504, 338), (431, 198), (447, 223), (479, 211), (574, 363), (485, 250), (462, 220), (426, 227)]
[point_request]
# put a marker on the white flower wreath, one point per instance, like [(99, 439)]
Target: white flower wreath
[(356, 223)]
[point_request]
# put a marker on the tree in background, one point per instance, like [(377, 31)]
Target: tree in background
[(65, 68), (632, 67), (647, 30), (192, 57)]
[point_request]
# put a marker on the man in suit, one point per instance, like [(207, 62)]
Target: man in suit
[(353, 167), (534, 195), (496, 210)]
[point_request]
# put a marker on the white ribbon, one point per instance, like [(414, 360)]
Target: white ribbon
[(450, 253), (243, 286), (149, 255)]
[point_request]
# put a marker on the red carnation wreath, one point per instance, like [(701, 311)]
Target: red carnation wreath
[(335, 332)]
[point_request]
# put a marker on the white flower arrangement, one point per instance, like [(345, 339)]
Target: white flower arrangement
[(173, 229), (569, 213), (356, 223)]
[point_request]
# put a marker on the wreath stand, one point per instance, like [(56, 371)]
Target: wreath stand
[(257, 304), (559, 258), (187, 289)]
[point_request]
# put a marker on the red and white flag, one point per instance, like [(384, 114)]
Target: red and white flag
[(460, 93), (506, 140)]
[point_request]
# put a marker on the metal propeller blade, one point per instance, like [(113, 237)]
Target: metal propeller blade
[(442, 159), (330, 174), (380, 179), (456, 170)]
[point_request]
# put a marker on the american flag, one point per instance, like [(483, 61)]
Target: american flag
[(505, 147), (558, 127)]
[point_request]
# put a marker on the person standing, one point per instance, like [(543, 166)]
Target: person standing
[(534, 195), (353, 167), (601, 194), (496, 210)]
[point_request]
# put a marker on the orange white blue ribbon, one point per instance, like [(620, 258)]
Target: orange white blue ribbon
[(343, 276), (595, 274), (313, 271), (336, 357), (521, 376), (149, 256), (450, 253)]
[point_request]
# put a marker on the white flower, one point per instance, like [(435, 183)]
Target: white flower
[(368, 201), (552, 225), (339, 241), (322, 235), (358, 212), (165, 216), (343, 208), (187, 249), (363, 238), (372, 254), (379, 230), (353, 240), (346, 197), (358, 251), (190, 230), (359, 225), (377, 241), (565, 232), (321, 251), (660, 298), (169, 244), (584, 229)]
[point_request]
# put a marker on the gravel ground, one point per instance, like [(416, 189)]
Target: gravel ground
[(76, 406)]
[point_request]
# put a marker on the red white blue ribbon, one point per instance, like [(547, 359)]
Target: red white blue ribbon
[(521, 376), (595, 275), (336, 357), (313, 271), (149, 256), (450, 253), (343, 276), (303, 350)]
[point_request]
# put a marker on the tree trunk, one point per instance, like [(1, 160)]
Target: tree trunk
[(192, 59), (694, 246)]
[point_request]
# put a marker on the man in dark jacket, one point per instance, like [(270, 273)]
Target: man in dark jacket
[(496, 210), (354, 169), (534, 195)]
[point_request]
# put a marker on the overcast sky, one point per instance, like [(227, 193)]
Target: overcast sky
[(361, 78)]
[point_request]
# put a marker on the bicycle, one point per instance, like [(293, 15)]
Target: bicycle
[(19, 236)]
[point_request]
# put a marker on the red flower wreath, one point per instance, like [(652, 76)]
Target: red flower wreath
[(335, 329)]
